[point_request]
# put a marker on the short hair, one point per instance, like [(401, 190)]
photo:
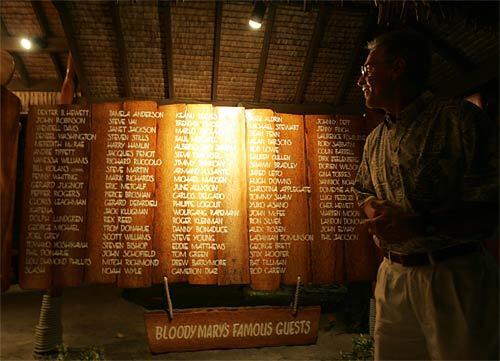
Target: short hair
[(410, 46)]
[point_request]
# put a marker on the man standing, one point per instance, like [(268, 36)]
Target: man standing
[(428, 184)]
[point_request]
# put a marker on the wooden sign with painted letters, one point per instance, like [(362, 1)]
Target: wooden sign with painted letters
[(222, 328), (130, 192)]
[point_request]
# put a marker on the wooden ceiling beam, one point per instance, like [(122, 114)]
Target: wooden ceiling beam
[(164, 17), (46, 32), (20, 66), (452, 55), (41, 18), (304, 108), (369, 22), (216, 49), (67, 23), (271, 13), (312, 52), (53, 85), (122, 50), (60, 69)]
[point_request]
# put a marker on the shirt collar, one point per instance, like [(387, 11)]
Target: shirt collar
[(410, 112)]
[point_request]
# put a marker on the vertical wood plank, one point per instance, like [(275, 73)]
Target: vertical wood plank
[(327, 250), (264, 223), (295, 240), (70, 194), (233, 241), (106, 175), (33, 274), (55, 197), (202, 232), (170, 148), (136, 222)]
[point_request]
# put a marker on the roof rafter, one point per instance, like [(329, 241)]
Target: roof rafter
[(67, 23), (312, 51), (122, 51), (49, 85), (164, 17), (216, 49), (271, 13), (44, 26)]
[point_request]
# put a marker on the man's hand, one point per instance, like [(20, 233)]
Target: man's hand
[(372, 206), (389, 222)]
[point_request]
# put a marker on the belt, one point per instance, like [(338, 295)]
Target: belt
[(426, 258)]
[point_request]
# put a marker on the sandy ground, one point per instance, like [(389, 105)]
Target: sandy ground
[(99, 316)]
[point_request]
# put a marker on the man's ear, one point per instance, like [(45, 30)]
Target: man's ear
[(398, 68)]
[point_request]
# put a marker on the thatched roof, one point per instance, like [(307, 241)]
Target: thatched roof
[(307, 52)]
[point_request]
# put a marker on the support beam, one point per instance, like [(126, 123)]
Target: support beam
[(369, 22), (271, 12), (304, 108), (60, 69), (312, 52), (216, 49), (52, 85), (67, 23), (166, 35), (41, 18), (46, 32), (307, 108), (445, 50), (21, 68), (122, 52)]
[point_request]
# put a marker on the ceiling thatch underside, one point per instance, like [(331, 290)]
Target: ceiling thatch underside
[(205, 51)]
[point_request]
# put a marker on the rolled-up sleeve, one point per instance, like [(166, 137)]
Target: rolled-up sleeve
[(363, 185), (480, 151)]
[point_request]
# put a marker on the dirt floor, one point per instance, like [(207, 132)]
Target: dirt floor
[(99, 316)]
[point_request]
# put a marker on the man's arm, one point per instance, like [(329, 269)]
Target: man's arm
[(475, 212), (468, 220), (363, 185)]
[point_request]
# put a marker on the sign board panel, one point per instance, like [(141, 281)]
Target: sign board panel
[(221, 328), (130, 192)]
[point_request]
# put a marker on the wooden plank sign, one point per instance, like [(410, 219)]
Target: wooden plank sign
[(130, 192), (264, 205), (169, 240), (53, 243), (222, 328), (295, 240)]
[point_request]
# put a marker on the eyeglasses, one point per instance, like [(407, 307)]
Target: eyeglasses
[(367, 69)]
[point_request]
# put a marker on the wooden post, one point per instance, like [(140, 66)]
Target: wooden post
[(11, 106)]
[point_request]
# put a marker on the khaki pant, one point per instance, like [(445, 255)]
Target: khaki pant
[(446, 311)]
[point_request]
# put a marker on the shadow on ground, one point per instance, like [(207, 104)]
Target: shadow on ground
[(110, 319)]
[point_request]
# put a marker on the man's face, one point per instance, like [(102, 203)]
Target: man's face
[(377, 80)]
